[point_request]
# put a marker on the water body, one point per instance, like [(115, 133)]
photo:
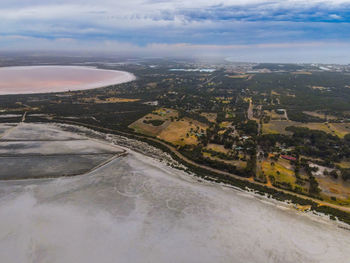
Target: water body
[(30, 150), (44, 79), (210, 70), (137, 209)]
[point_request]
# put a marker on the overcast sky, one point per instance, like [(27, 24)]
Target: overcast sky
[(246, 30)]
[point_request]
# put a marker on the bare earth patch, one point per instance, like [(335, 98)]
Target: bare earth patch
[(337, 129), (210, 116), (163, 114), (217, 148), (320, 115), (182, 132)]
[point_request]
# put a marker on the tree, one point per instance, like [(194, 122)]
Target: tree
[(314, 189), (334, 174), (345, 174)]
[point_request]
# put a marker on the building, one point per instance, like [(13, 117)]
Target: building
[(287, 157)]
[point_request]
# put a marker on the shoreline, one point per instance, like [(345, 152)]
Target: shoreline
[(165, 161), (250, 193), (136, 147), (335, 213)]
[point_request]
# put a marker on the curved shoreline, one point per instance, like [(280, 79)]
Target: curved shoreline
[(109, 139), (58, 83), (217, 176)]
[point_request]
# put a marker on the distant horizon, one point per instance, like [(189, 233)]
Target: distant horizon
[(115, 56)]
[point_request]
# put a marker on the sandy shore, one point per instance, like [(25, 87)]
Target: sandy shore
[(46, 79)]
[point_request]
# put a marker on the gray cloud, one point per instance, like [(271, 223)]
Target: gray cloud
[(142, 26)]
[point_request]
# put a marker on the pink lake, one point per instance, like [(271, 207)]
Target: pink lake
[(45, 79)]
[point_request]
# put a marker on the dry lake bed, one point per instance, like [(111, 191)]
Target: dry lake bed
[(137, 209)]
